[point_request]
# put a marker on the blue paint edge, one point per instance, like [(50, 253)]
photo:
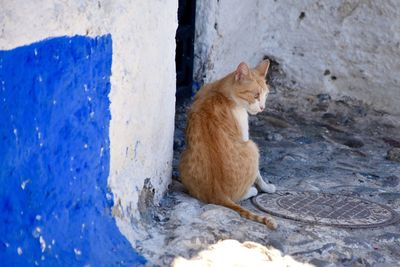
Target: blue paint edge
[(54, 156)]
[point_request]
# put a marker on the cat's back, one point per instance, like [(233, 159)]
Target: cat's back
[(211, 114), (207, 99)]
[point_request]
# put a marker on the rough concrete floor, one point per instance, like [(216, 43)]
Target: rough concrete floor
[(307, 142)]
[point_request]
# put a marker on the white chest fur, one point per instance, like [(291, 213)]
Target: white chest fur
[(242, 118)]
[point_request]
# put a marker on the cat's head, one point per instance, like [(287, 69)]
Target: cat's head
[(250, 89)]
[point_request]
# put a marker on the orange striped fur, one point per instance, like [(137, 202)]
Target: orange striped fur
[(220, 163)]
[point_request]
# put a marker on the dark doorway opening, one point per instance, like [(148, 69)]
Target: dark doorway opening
[(184, 48)]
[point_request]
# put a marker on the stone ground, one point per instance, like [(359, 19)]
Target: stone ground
[(307, 142)]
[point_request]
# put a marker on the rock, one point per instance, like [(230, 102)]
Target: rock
[(276, 122), (320, 263), (354, 262), (369, 176), (337, 119), (346, 140), (353, 190), (185, 211), (276, 244), (392, 142), (391, 181), (300, 157), (258, 123), (253, 120), (274, 137), (179, 139), (393, 154), (356, 243), (320, 250), (376, 257), (324, 98), (388, 237), (391, 121), (328, 116), (177, 186), (175, 174), (365, 190), (320, 107), (360, 111), (303, 140), (218, 214), (352, 142)]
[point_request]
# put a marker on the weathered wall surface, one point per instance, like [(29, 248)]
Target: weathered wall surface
[(346, 47), (131, 141)]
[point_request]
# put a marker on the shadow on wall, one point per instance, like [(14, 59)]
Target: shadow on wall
[(54, 156)]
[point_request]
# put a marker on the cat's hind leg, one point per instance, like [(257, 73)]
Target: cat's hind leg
[(263, 186), (251, 192)]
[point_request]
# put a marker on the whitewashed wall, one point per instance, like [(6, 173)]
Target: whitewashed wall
[(142, 83), (356, 41)]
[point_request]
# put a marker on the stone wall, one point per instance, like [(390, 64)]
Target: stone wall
[(87, 106), (346, 47)]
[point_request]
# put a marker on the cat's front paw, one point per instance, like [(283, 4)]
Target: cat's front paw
[(268, 188)]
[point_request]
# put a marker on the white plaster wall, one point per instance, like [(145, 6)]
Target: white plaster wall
[(226, 34), (358, 41), (142, 83)]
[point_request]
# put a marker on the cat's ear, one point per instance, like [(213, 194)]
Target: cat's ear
[(242, 72), (263, 67)]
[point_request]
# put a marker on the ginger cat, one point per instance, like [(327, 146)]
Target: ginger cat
[(220, 163)]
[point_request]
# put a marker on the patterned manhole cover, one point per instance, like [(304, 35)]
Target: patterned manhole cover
[(326, 209)]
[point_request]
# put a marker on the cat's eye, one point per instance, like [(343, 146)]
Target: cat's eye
[(256, 95)]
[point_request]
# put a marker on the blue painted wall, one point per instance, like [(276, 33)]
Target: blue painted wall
[(54, 156)]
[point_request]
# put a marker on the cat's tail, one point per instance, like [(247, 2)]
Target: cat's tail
[(268, 221)]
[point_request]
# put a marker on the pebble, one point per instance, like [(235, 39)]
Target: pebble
[(370, 176), (253, 120), (277, 122), (391, 181), (328, 116), (376, 257), (352, 142), (320, 107), (360, 111), (258, 123), (276, 244), (393, 154), (320, 263), (178, 143), (355, 262), (320, 250), (391, 142), (388, 237), (337, 119), (304, 140), (323, 98), (390, 197), (179, 139), (356, 243), (274, 137)]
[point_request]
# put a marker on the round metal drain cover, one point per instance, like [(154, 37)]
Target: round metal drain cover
[(326, 209)]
